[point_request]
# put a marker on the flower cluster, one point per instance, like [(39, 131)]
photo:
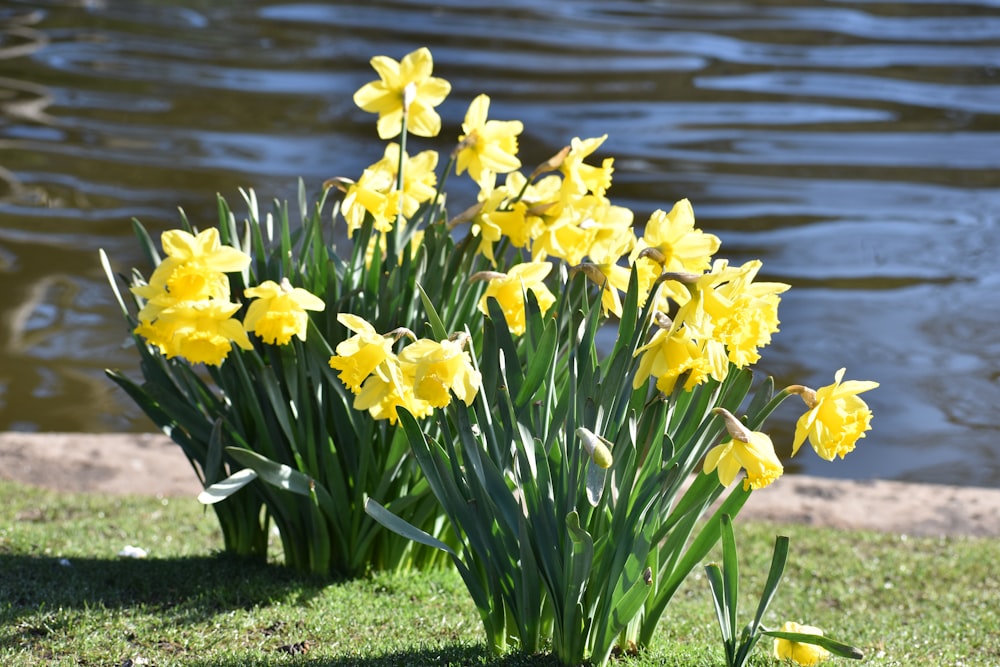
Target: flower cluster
[(690, 326), (420, 378), (188, 312)]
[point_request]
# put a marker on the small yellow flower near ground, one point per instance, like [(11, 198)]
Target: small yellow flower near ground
[(405, 83), (806, 655), (749, 450), (359, 356), (488, 146), (836, 419), (509, 289), (278, 312)]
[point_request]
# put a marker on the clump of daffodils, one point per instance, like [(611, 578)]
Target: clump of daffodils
[(329, 420)]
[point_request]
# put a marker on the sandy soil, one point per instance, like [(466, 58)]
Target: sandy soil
[(152, 465)]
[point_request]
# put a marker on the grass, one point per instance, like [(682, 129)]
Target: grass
[(67, 598)]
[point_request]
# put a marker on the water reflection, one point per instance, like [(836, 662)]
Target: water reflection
[(851, 145)]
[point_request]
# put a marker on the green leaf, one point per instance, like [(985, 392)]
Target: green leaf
[(730, 570), (227, 487), (404, 528), (778, 559), (833, 646), (274, 473)]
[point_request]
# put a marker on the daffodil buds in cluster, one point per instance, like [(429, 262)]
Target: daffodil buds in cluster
[(597, 447)]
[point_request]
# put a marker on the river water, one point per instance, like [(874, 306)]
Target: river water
[(853, 146)]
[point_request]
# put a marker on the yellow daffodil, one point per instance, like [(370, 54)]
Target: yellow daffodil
[(731, 316), (604, 270), (386, 390), (667, 356), (488, 146), (748, 450), (199, 331), (581, 178), (800, 653), (437, 368), (371, 195), (673, 244), (404, 86), (419, 177), (193, 270), (359, 356), (509, 290), (836, 419), (278, 312)]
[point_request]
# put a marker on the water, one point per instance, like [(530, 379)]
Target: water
[(852, 146)]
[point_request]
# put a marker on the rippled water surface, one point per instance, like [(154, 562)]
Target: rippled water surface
[(853, 146)]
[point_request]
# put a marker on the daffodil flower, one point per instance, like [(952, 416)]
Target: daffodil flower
[(278, 311), (488, 146), (436, 368), (806, 655), (404, 86), (581, 178), (359, 356), (199, 331), (836, 419), (510, 288), (748, 450)]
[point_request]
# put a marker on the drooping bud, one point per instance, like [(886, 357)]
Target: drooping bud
[(486, 276), (662, 320), (597, 448), (338, 182), (808, 395), (552, 164), (737, 431), (399, 332), (466, 215)]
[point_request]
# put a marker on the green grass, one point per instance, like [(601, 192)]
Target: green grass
[(905, 601)]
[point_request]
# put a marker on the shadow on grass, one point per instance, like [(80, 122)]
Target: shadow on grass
[(185, 590), (445, 656)]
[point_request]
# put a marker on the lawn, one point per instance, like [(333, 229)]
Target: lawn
[(68, 598)]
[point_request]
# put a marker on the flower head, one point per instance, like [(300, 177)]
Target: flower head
[(488, 146), (278, 312), (404, 87), (836, 419), (799, 652), (359, 356), (509, 289), (749, 450), (434, 369), (199, 331)]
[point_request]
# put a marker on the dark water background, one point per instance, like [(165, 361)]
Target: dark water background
[(852, 146)]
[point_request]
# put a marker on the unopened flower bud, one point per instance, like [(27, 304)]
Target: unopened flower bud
[(597, 448), (808, 395), (551, 164), (737, 431)]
